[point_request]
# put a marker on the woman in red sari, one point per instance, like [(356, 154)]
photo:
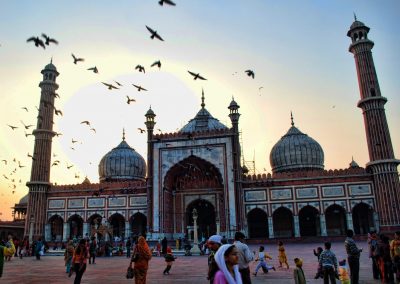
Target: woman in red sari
[(141, 256)]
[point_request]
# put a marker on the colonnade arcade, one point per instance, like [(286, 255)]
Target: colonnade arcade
[(309, 222), (97, 225)]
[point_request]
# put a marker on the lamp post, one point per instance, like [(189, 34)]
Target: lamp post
[(195, 248)]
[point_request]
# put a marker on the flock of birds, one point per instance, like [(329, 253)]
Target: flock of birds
[(44, 41)]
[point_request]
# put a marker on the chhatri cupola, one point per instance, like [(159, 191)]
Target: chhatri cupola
[(296, 151), (203, 121), (122, 163)]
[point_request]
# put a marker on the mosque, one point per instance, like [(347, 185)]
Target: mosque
[(199, 167)]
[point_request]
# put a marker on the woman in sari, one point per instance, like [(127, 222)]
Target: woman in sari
[(141, 256)]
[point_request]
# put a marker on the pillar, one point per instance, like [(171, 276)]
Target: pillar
[(376, 221), (271, 227), (322, 222), (349, 220), (66, 232), (127, 230), (47, 232), (296, 226)]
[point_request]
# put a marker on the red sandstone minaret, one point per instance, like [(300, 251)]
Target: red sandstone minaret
[(383, 164), (150, 122), (40, 173)]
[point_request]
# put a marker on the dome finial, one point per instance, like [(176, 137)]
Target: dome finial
[(51, 60), (355, 17), (291, 118), (123, 134), (202, 98)]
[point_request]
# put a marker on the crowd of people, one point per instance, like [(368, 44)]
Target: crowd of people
[(228, 263)]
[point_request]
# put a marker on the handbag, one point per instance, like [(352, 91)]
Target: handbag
[(130, 272)]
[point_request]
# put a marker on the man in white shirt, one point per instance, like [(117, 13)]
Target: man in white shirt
[(245, 257)]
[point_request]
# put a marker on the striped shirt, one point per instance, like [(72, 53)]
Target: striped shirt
[(351, 248)]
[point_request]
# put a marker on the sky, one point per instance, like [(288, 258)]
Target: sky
[(298, 51)]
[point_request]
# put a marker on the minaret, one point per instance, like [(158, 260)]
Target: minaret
[(40, 172), (383, 164), (237, 169), (150, 115)]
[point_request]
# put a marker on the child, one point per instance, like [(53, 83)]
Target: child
[(343, 273), (169, 258), (298, 273), (282, 255), (262, 256), (319, 271)]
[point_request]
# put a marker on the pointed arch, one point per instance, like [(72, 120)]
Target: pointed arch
[(138, 223), (335, 216), (257, 221), (309, 221), (283, 223), (56, 227), (117, 222), (75, 226), (363, 219)]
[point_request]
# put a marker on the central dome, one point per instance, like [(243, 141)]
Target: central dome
[(296, 151), (122, 163)]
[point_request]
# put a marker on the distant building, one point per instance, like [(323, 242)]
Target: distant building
[(198, 167)]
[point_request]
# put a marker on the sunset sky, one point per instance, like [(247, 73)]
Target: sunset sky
[(297, 49)]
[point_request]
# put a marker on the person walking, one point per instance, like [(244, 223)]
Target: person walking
[(384, 260), (38, 248), (328, 263), (141, 256), (353, 256), (395, 254), (92, 251), (213, 243), (373, 252), (227, 259), (282, 255), (298, 273), (6, 251), (68, 254), (164, 245), (81, 254), (169, 258), (128, 247), (245, 257)]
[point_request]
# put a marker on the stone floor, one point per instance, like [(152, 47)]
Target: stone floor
[(50, 269)]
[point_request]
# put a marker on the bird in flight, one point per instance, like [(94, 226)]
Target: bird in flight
[(30, 156), (196, 76), (156, 63), (25, 108), (169, 2), (141, 130), (19, 165), (119, 84), (154, 34), (139, 88), (49, 39), (27, 134), (5, 161), (129, 100), (76, 59), (58, 134), (109, 86), (250, 73), (26, 126), (69, 166), (38, 42), (86, 122), (58, 112), (140, 68), (74, 141), (94, 69), (94, 130), (12, 127)]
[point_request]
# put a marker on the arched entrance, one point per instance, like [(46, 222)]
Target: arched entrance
[(257, 221), (309, 221), (206, 225), (117, 222), (335, 220), (75, 226), (56, 225), (138, 224), (191, 176), (363, 220), (283, 223)]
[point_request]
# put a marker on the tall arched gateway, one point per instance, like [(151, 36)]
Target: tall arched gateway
[(193, 183)]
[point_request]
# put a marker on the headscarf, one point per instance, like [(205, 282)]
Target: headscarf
[(169, 250), (143, 248), (220, 260), (215, 239)]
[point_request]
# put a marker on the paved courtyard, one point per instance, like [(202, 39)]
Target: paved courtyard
[(50, 269)]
